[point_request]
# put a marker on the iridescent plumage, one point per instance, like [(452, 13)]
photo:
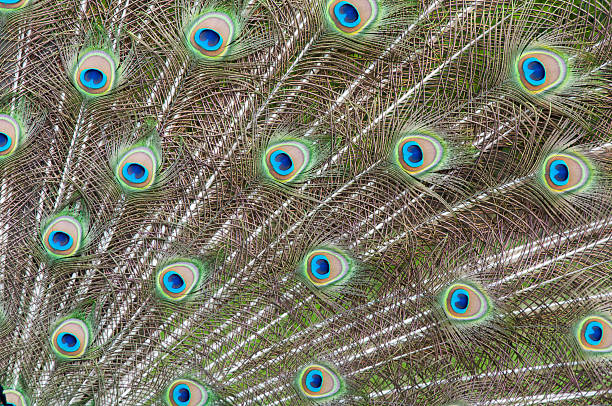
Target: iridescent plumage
[(298, 202)]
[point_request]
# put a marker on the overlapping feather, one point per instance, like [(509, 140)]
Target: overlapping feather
[(252, 323)]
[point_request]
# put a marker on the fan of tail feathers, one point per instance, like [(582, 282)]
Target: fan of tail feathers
[(296, 202)]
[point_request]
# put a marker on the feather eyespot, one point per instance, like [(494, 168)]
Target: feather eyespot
[(10, 132), (95, 73), (177, 280), (211, 34), (595, 334), (417, 154), (62, 237), (14, 398), (186, 392), (9, 5), (541, 70), (136, 168), (70, 339), (326, 267), (564, 173), (465, 303), (351, 16), (286, 160), (318, 382)]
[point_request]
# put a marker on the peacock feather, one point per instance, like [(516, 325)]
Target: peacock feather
[(296, 202)]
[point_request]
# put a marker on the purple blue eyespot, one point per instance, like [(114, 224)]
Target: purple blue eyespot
[(95, 72), (351, 16)]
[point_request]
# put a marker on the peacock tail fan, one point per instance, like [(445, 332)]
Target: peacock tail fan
[(299, 202)]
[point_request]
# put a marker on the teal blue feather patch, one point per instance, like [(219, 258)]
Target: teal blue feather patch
[(350, 17), (11, 135), (136, 167), (176, 279), (420, 152), (562, 173), (319, 382), (95, 73), (210, 35), (325, 267), (70, 338), (63, 236), (187, 392), (288, 160), (540, 70), (594, 334), (464, 302)]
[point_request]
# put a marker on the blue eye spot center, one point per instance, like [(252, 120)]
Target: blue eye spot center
[(181, 394), (93, 78), (284, 161), (135, 173), (136, 170), (4, 140), (460, 300), (208, 39), (594, 332), (320, 267), (212, 37), (174, 282), (347, 14), (416, 153), (281, 162), (69, 340), (412, 154), (60, 240), (314, 381), (534, 71), (537, 70), (559, 172)]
